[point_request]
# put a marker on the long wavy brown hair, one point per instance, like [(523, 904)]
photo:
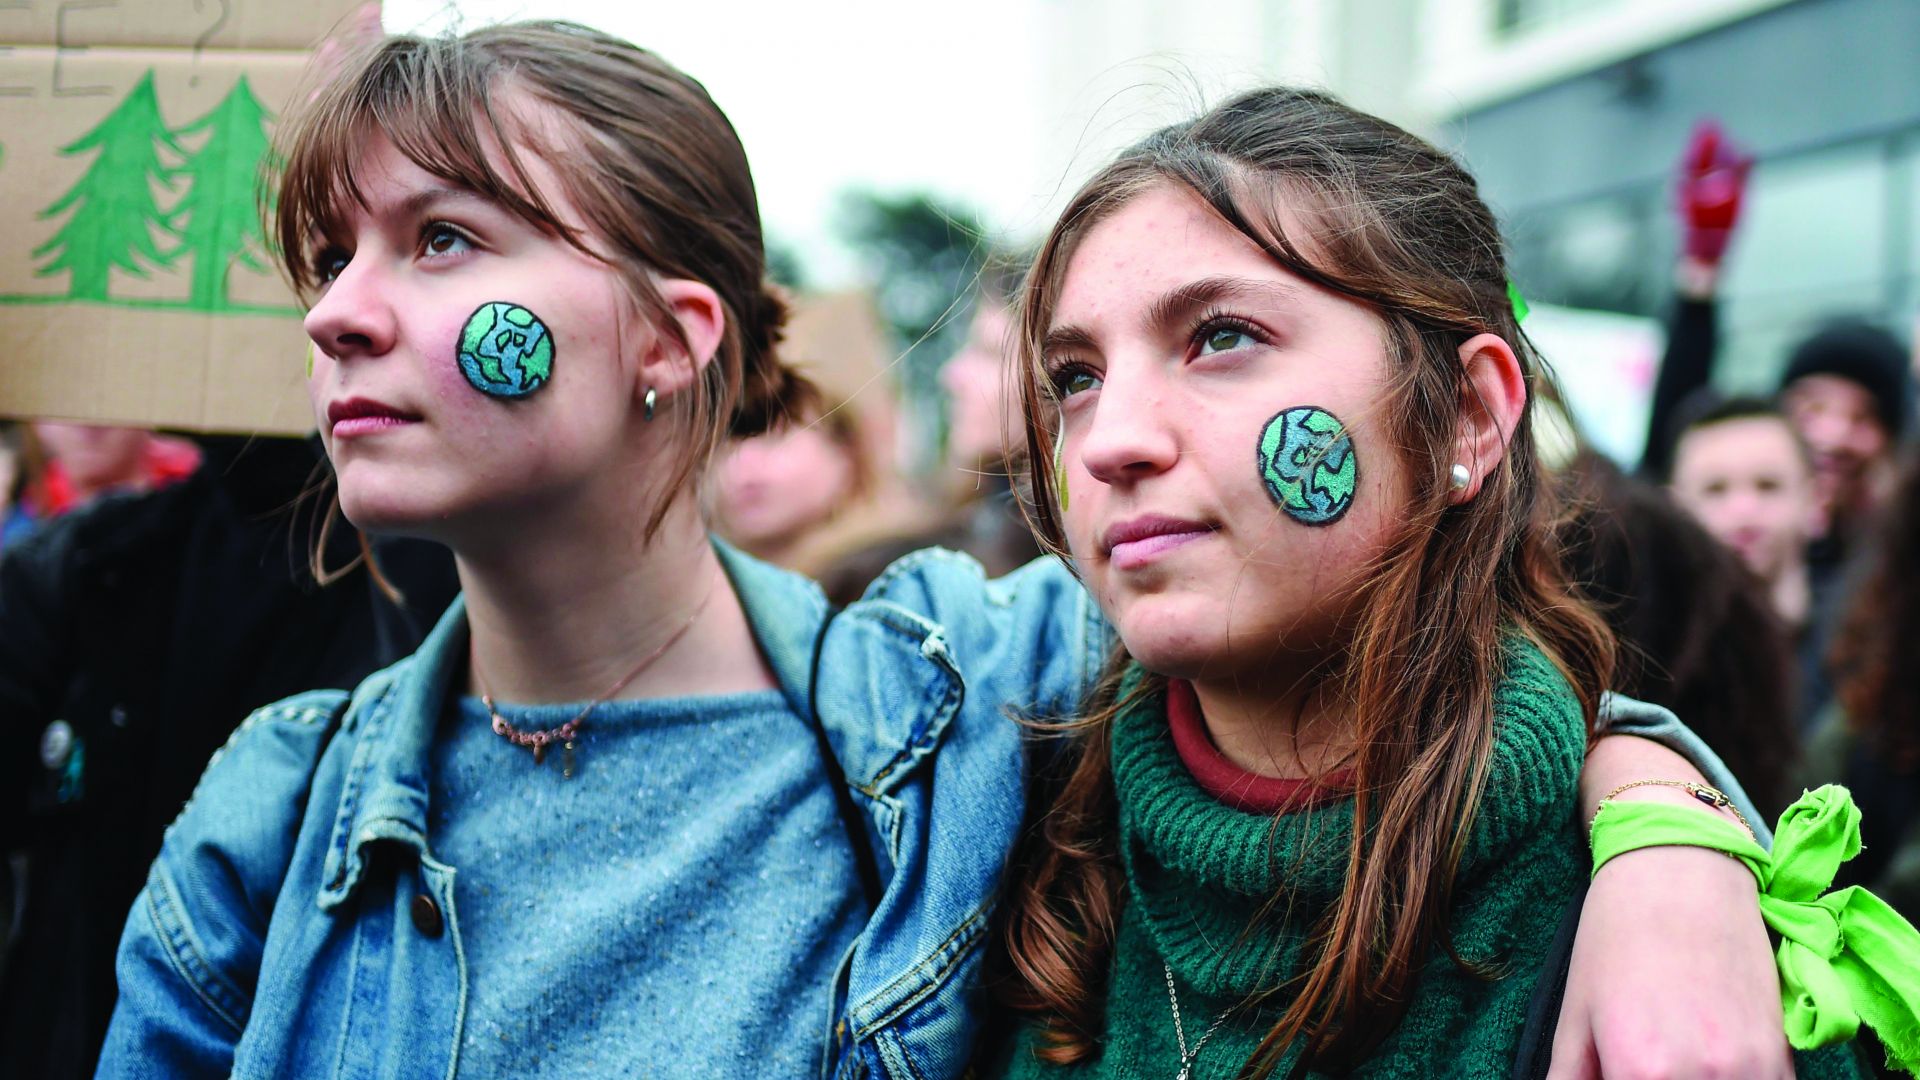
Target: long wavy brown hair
[(1870, 659), (1388, 220)]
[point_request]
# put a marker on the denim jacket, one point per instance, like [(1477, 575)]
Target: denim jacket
[(296, 922)]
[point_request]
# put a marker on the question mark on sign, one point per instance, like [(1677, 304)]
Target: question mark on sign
[(200, 42)]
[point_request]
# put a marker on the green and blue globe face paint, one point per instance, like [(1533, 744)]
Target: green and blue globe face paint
[(1307, 461), (505, 350)]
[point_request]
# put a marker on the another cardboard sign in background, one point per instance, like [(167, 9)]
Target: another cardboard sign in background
[(135, 285)]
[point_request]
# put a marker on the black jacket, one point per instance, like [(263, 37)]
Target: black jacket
[(134, 636)]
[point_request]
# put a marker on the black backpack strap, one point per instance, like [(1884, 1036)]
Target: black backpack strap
[(1543, 1009), (863, 861)]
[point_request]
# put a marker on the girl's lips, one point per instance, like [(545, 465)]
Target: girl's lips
[(357, 426), (1133, 554)]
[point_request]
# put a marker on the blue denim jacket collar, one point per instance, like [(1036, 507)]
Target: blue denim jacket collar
[(786, 612), (384, 796)]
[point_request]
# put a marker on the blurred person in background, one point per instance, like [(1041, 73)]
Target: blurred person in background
[(85, 461), (1870, 739), (801, 495), (983, 422), (1741, 470), (1699, 635), (1847, 389), (981, 415), (21, 465), (973, 508), (776, 490), (135, 633)]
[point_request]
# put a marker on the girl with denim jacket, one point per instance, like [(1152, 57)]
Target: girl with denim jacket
[(588, 828), (1323, 817)]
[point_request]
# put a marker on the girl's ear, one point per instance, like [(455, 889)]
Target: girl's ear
[(667, 368), (1492, 399)]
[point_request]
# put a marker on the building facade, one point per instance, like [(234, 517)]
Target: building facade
[(1574, 113)]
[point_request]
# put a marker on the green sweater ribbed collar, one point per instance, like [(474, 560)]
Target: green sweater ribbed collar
[(1200, 872)]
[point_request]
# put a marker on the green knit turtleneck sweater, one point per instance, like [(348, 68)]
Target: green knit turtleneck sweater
[(1199, 872)]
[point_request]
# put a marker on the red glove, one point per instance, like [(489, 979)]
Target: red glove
[(1713, 179)]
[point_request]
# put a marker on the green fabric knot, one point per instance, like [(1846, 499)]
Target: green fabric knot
[(1846, 958)]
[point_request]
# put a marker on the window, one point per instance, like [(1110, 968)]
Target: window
[(1597, 254), (1512, 17), (1813, 243)]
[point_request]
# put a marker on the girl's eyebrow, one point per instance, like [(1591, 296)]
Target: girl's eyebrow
[(1067, 338), (1177, 306), (417, 203)]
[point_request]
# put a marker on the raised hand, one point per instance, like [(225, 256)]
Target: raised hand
[(1712, 185)]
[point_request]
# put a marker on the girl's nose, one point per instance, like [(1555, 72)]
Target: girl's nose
[(1128, 436), (355, 317)]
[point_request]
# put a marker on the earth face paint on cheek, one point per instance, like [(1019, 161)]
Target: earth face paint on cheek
[(1306, 460), (505, 350)]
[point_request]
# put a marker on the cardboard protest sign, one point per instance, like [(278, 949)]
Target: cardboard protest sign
[(135, 283)]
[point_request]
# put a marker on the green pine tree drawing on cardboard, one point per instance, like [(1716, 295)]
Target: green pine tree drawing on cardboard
[(218, 219), (113, 208)]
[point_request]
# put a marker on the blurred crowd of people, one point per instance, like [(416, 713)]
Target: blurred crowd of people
[(1762, 563), (1759, 561)]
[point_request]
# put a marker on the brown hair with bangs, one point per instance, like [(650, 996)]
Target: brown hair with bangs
[(652, 164), (1398, 225)]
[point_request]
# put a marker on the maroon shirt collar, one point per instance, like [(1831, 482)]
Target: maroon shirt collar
[(1229, 783)]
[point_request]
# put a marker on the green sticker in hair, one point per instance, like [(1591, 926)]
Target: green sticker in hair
[(1060, 469), (1519, 302), (1308, 464), (505, 350)]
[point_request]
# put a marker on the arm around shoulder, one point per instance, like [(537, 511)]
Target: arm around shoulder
[(190, 955), (1672, 971), (1621, 715)]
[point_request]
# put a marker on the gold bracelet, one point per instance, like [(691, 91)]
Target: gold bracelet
[(1712, 796)]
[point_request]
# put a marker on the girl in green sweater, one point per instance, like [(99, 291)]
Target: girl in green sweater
[(1322, 816)]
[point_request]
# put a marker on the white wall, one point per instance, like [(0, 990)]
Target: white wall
[(1003, 104), (1465, 63)]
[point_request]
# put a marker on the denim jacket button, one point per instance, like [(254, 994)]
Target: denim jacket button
[(426, 916)]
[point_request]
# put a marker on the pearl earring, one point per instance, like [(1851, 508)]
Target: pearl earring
[(1458, 477), (649, 401)]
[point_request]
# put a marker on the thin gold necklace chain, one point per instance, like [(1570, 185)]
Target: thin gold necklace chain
[(1180, 1027), (538, 741)]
